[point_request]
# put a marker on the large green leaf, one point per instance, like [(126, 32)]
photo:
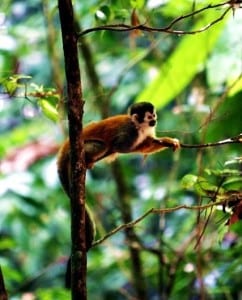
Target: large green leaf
[(188, 58), (227, 122)]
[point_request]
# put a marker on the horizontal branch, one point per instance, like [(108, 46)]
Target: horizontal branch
[(233, 140), (168, 29)]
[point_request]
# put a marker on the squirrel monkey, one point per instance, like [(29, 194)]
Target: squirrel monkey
[(128, 133)]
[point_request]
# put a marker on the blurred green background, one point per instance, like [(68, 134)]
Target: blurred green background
[(194, 81)]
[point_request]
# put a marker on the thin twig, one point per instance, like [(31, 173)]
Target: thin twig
[(168, 29), (233, 140), (193, 13)]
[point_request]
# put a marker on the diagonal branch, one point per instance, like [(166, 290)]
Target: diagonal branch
[(156, 211)]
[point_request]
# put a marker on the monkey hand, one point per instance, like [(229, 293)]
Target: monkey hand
[(168, 142)]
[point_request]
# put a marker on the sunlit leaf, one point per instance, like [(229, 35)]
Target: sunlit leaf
[(12, 83), (199, 185), (137, 3), (188, 181), (236, 87), (233, 183), (188, 58), (103, 13), (48, 109), (6, 243)]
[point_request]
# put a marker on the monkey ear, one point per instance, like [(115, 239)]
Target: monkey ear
[(134, 118)]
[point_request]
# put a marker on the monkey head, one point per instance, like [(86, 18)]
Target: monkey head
[(143, 114)]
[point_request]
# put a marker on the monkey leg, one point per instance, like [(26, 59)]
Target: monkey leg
[(94, 151)]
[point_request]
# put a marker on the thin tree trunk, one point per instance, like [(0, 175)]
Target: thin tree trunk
[(3, 292), (78, 172)]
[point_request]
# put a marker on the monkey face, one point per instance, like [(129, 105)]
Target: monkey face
[(144, 120), (150, 118), (144, 114)]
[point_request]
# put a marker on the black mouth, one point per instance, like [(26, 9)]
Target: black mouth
[(152, 123)]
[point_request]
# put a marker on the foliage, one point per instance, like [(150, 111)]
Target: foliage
[(196, 81)]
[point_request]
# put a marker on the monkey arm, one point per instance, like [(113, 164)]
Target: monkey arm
[(152, 145)]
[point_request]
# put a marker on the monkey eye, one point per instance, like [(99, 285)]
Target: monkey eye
[(151, 117)]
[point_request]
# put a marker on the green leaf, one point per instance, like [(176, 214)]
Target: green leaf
[(188, 181), (54, 293), (11, 85), (137, 3), (184, 63), (204, 188), (228, 120), (233, 184), (236, 88), (198, 184), (13, 82), (103, 13), (48, 109), (7, 243), (223, 173)]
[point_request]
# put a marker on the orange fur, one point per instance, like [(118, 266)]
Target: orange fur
[(105, 133), (127, 133), (104, 130)]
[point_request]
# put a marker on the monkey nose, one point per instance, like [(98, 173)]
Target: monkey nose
[(152, 123)]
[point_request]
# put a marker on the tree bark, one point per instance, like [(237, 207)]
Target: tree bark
[(78, 171), (3, 292)]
